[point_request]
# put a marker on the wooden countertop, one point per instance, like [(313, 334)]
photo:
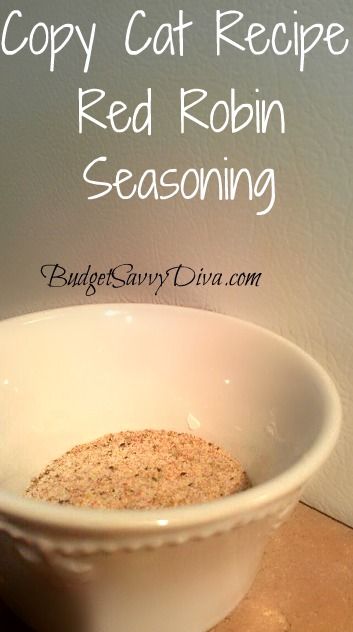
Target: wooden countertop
[(305, 583), (306, 580)]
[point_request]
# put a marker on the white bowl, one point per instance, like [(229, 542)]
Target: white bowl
[(70, 375)]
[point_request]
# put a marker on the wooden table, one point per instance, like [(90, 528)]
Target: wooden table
[(305, 583)]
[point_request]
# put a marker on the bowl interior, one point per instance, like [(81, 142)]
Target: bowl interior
[(68, 376)]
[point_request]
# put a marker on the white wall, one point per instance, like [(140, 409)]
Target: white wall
[(303, 247)]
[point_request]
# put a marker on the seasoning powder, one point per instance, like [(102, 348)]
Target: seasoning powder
[(140, 470)]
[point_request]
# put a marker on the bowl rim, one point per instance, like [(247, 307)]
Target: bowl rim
[(29, 511)]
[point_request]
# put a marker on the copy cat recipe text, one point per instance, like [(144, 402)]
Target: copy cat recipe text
[(294, 35)]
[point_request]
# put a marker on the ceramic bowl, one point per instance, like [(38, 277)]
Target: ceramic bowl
[(70, 375)]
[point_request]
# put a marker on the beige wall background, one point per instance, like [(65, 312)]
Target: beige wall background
[(303, 247)]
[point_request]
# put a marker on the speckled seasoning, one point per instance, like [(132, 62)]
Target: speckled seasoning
[(140, 470)]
